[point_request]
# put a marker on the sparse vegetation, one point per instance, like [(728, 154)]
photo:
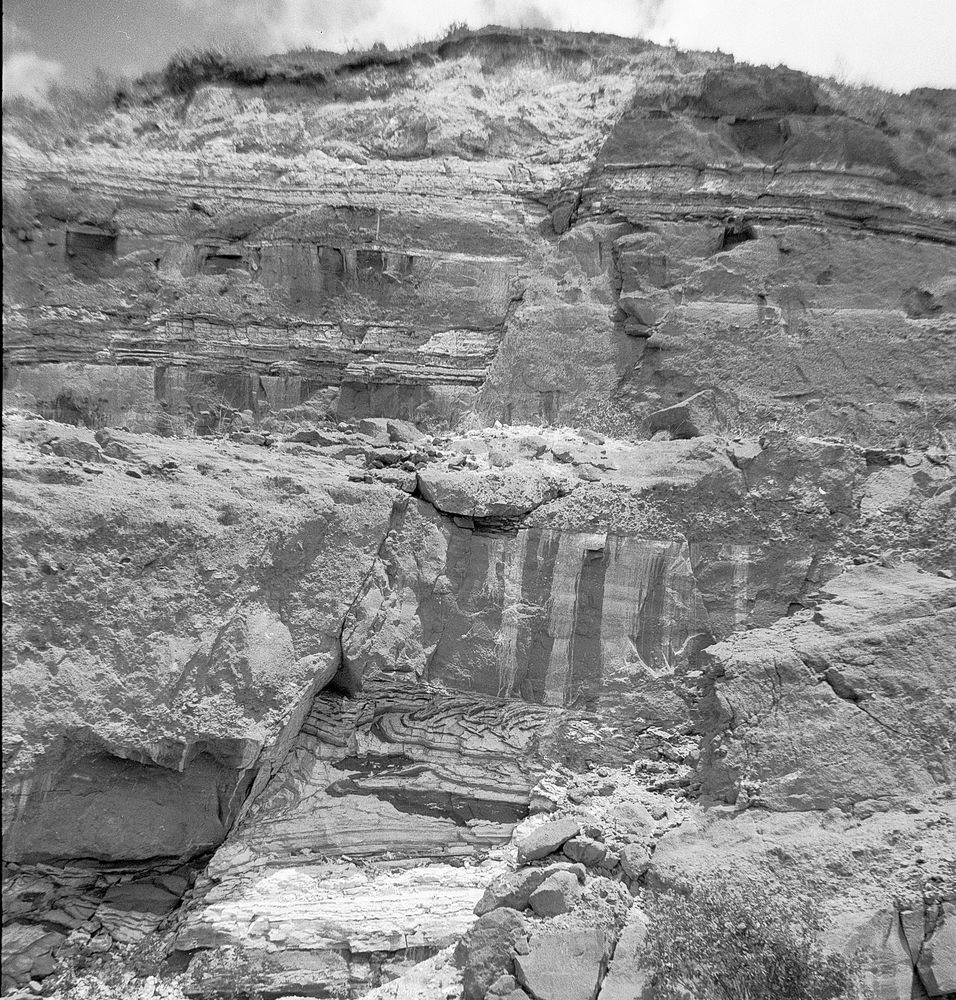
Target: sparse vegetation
[(122, 973), (189, 69), (725, 939), (66, 114)]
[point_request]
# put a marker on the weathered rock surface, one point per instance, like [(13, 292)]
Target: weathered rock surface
[(169, 628), (936, 963), (288, 680), (864, 678), (692, 417), (403, 768)]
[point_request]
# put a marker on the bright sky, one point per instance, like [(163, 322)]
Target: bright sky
[(896, 44)]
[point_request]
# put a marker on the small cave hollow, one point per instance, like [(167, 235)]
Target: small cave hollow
[(735, 234), (221, 261), (90, 251)]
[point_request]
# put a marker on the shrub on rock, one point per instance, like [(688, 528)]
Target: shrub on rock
[(727, 940)]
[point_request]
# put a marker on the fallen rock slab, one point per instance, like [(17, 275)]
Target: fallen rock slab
[(514, 889), (547, 839), (485, 952), (563, 965), (585, 850), (555, 895), (628, 977)]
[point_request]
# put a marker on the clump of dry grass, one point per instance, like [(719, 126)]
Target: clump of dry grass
[(345, 75), (65, 114)]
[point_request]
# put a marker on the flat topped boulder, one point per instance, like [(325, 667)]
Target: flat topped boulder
[(546, 839), (511, 492)]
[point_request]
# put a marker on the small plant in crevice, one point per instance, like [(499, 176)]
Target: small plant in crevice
[(730, 939)]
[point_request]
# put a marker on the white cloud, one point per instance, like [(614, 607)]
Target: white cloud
[(893, 44), (26, 74), (284, 24)]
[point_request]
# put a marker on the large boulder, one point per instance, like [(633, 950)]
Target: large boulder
[(556, 895), (493, 493), (563, 964), (514, 889)]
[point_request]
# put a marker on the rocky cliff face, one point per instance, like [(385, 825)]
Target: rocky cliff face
[(495, 482)]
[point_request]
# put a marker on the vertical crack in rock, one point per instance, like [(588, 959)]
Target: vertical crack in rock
[(345, 679), (845, 692), (300, 716)]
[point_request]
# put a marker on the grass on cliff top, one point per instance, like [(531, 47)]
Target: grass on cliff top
[(342, 72), (71, 114)]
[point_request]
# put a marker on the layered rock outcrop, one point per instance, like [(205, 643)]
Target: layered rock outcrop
[(445, 506), (659, 224)]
